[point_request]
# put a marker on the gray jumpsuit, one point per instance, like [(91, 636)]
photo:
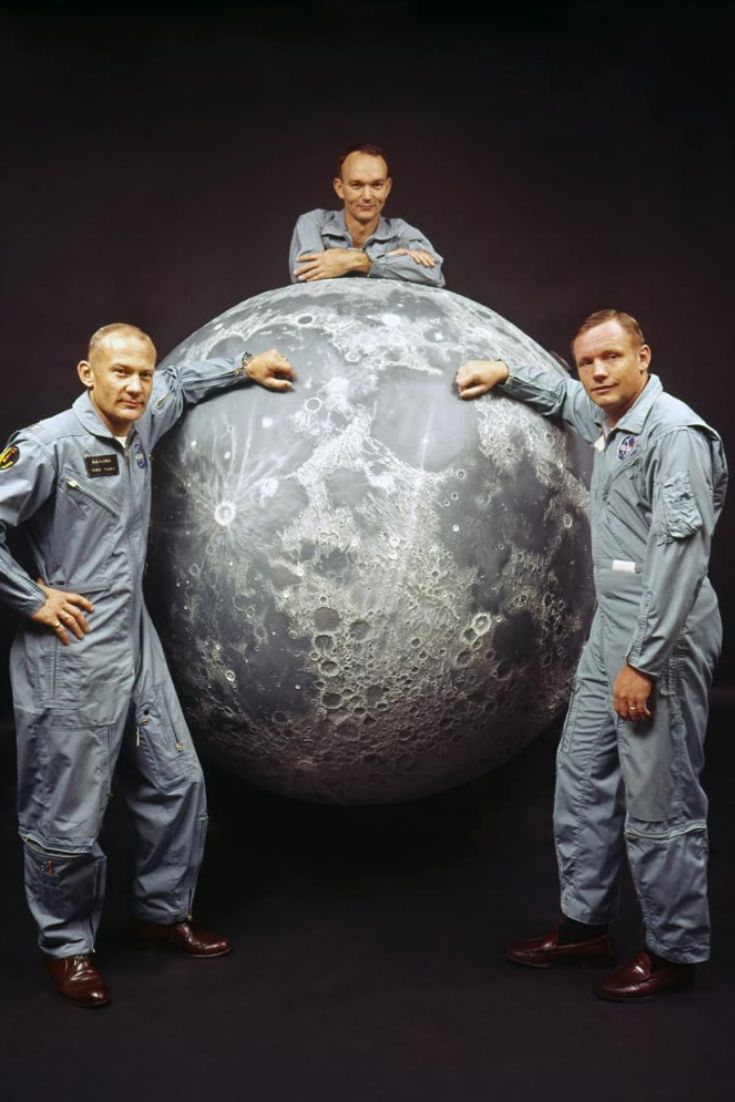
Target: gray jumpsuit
[(83, 501), (658, 485), (318, 230)]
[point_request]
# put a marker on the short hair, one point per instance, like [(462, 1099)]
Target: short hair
[(121, 328), (363, 147), (626, 321)]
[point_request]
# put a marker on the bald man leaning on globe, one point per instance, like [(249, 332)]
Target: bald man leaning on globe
[(358, 240), (90, 683)]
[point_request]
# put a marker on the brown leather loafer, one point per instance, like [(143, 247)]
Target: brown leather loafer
[(77, 979), (182, 938), (543, 952), (639, 981)]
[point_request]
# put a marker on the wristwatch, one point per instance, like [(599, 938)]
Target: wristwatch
[(244, 361)]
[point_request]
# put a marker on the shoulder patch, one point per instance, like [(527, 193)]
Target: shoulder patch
[(9, 457)]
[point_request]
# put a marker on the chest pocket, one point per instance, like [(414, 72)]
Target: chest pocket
[(87, 517), (624, 497)]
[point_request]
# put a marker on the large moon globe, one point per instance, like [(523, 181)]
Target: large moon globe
[(368, 590)]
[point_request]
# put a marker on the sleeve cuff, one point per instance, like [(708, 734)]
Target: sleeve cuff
[(376, 268), (241, 365)]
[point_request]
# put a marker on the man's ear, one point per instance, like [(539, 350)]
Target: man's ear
[(388, 186), (85, 373), (645, 356), (338, 186)]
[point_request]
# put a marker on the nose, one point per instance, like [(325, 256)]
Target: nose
[(133, 384), (599, 369)]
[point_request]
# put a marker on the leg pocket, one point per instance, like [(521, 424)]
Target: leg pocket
[(163, 738), (567, 734), (651, 760), (46, 674), (64, 782)]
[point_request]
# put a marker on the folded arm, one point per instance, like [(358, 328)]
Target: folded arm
[(414, 259)]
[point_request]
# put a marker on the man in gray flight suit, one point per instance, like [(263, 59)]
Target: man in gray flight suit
[(357, 240), (631, 750), (90, 682)]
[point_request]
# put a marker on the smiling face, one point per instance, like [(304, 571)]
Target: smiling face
[(119, 378), (364, 185), (612, 366)]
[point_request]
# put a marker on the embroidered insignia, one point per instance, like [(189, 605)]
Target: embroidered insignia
[(626, 446), (9, 457), (100, 465), (140, 458)]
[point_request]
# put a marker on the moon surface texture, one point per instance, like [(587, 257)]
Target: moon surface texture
[(369, 591)]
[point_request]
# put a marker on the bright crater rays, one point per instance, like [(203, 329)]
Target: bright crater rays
[(224, 513)]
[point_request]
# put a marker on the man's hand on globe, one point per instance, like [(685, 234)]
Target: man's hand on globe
[(271, 370), (477, 377)]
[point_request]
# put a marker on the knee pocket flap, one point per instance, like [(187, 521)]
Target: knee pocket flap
[(63, 882), (666, 830)]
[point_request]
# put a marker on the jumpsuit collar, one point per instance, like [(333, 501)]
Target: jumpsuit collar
[(335, 223), (91, 421)]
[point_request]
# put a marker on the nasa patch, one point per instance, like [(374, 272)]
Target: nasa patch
[(626, 446), (140, 458), (9, 457)]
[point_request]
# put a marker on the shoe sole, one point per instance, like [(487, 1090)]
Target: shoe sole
[(608, 962), (84, 1006), (150, 947), (609, 997)]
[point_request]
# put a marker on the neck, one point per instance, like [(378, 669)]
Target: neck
[(117, 428), (360, 231)]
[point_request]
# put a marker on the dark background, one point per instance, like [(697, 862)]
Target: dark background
[(562, 157)]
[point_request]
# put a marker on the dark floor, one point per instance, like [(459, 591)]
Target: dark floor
[(369, 964)]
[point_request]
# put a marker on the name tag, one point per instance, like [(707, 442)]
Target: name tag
[(623, 566), (98, 466)]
